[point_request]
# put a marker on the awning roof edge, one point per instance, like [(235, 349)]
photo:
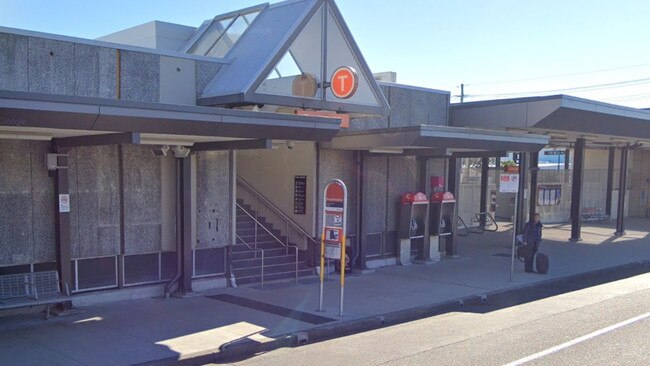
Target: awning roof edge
[(432, 136), (27, 109)]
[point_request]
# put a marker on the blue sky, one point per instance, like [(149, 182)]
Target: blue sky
[(435, 43)]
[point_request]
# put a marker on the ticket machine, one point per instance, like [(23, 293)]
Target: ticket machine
[(413, 220), (442, 223)]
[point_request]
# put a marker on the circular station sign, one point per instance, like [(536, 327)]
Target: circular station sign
[(344, 82)]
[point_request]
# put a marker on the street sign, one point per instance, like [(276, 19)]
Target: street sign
[(344, 82), (554, 152), (509, 183), (335, 200)]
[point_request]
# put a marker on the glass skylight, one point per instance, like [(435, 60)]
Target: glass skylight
[(222, 35)]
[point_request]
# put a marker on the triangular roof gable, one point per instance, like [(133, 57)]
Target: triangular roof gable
[(269, 38)]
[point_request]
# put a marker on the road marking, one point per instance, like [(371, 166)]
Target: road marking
[(577, 340)]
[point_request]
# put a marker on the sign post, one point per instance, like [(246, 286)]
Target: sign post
[(335, 201), (509, 183)]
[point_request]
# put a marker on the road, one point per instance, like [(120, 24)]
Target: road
[(600, 325)]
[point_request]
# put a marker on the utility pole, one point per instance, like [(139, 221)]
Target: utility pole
[(462, 93)]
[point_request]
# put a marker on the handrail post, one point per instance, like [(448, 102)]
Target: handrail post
[(286, 237), (262, 269)]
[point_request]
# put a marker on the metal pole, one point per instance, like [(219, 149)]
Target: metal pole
[(485, 170), (342, 279), (622, 188), (514, 238), (322, 270)]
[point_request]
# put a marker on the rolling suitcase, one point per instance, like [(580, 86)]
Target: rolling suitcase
[(541, 263)]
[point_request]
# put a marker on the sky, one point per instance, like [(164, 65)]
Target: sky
[(498, 48)]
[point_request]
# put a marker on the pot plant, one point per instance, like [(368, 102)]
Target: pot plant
[(510, 167)]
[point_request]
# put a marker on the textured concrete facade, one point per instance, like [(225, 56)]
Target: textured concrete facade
[(94, 200), (409, 106), (402, 177), (13, 62), (339, 164), (140, 78), (26, 193), (142, 207), (375, 173), (212, 199), (53, 66)]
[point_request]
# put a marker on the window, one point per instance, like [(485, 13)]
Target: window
[(303, 58), (549, 195), (222, 34)]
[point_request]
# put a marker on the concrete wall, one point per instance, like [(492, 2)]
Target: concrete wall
[(212, 199), (27, 198), (410, 106), (94, 201), (272, 173), (46, 65), (338, 164), (142, 200), (154, 34), (639, 180)]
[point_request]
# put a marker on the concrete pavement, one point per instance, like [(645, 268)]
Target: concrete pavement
[(494, 334), (166, 330)]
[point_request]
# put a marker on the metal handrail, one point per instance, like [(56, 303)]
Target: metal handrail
[(288, 220), (286, 245), (255, 249)]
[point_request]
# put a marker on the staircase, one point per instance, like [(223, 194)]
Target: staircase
[(265, 256)]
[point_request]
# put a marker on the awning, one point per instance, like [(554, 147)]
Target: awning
[(25, 112), (569, 116), (452, 139)]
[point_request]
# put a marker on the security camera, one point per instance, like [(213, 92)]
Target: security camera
[(160, 151), (290, 144), (180, 151)]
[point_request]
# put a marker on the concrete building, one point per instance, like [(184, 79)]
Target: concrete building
[(165, 158)]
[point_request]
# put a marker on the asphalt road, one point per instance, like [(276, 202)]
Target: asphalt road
[(600, 325)]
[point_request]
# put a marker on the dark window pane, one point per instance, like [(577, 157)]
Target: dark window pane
[(96, 272), (141, 268), (210, 261)]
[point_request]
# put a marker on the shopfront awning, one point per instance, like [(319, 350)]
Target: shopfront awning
[(46, 116), (428, 137), (560, 116)]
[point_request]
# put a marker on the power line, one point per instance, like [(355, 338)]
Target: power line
[(578, 88), (559, 76)]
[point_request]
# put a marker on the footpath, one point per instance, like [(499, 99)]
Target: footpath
[(239, 322)]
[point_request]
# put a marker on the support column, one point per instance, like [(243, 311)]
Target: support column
[(485, 171), (622, 188), (534, 169), (610, 182), (62, 219), (567, 158), (422, 175), (453, 186), (521, 192), (360, 231), (576, 188), (184, 170)]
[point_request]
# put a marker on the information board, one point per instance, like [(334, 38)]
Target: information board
[(300, 194), (509, 183)]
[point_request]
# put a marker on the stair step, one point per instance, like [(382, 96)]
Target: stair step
[(269, 269), (273, 276), (268, 261), (246, 253)]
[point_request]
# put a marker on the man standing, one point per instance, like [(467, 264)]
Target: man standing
[(532, 236)]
